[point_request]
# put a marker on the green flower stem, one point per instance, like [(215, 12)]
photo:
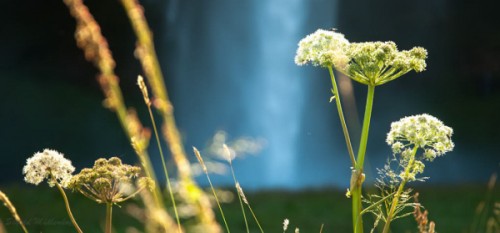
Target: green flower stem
[(109, 216), (341, 116), (357, 176), (366, 127), (66, 202), (395, 200)]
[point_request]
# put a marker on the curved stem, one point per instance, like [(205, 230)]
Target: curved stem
[(66, 202), (109, 217), (341, 116), (357, 175), (395, 200)]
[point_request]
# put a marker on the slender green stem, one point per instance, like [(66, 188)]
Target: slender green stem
[(358, 177), (237, 191), (395, 200), (109, 217), (356, 210), (341, 116), (66, 202), (218, 202), (165, 170), (255, 217), (366, 127)]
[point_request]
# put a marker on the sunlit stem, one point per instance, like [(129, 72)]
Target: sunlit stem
[(109, 217), (218, 202), (358, 173), (395, 200), (66, 202), (341, 116), (236, 182), (255, 217), (165, 170)]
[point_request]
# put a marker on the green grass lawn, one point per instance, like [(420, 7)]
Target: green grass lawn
[(452, 208)]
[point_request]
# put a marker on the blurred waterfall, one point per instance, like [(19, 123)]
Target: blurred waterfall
[(279, 89), (233, 68)]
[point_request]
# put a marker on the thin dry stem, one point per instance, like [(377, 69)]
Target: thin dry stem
[(12, 210)]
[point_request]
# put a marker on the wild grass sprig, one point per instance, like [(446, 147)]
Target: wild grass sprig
[(13, 212), (239, 191), (145, 52), (147, 101), (51, 165), (96, 49), (205, 170)]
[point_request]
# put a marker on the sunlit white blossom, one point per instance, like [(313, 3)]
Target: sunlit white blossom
[(423, 131), (50, 165), (323, 48)]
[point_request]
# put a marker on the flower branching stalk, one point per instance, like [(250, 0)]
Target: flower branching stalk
[(406, 137), (369, 63), (51, 165), (110, 182)]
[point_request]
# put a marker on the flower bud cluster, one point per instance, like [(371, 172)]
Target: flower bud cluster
[(376, 63), (50, 165), (104, 181)]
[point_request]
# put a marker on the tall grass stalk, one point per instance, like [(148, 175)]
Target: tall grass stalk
[(147, 101), (68, 209), (13, 212), (205, 170), (245, 200), (95, 46), (145, 52), (229, 159)]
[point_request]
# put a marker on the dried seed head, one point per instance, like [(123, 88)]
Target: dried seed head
[(242, 194), (144, 90), (200, 159)]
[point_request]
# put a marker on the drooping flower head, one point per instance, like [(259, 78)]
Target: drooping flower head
[(50, 165), (323, 48), (108, 179), (423, 131), (376, 63)]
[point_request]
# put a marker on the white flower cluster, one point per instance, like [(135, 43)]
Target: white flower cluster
[(423, 131), (323, 48), (369, 63), (376, 63), (50, 165)]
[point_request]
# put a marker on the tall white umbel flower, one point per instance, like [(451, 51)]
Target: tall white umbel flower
[(50, 165)]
